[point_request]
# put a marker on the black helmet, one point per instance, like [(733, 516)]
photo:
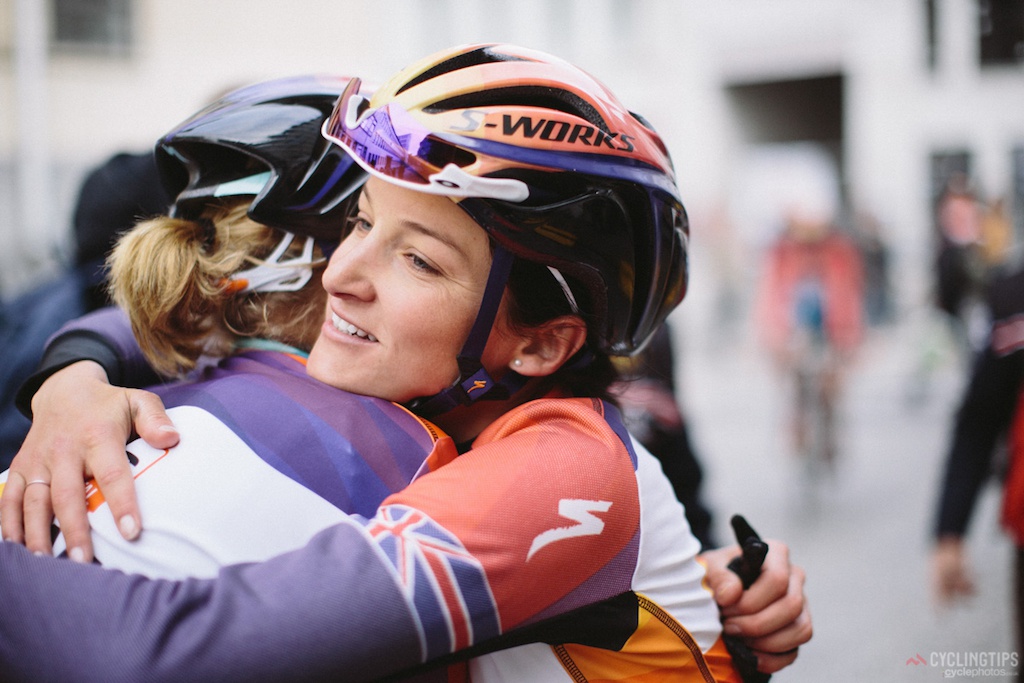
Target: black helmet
[(264, 141)]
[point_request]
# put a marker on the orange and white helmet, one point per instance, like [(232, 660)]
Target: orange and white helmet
[(547, 160)]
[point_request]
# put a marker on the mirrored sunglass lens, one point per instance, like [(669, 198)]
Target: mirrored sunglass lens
[(375, 142), (392, 143)]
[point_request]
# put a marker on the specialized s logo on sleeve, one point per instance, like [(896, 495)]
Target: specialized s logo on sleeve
[(579, 511)]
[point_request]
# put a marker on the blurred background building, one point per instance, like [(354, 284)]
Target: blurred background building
[(899, 93)]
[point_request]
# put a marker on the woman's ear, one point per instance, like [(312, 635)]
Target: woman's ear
[(547, 347)]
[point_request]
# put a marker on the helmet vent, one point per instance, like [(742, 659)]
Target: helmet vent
[(483, 55), (556, 99)]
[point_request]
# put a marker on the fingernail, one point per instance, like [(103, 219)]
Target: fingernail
[(168, 428), (77, 555), (732, 629), (129, 529)]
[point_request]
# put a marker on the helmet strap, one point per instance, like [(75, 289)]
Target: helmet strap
[(277, 274), (474, 382)]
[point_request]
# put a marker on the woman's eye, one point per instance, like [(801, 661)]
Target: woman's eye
[(359, 223), (419, 264)]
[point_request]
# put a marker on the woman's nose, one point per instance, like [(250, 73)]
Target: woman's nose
[(350, 269)]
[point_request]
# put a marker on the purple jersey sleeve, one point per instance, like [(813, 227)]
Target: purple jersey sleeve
[(109, 323), (104, 336), (68, 622)]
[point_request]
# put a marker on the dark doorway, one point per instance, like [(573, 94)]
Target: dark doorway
[(790, 111), (797, 110)]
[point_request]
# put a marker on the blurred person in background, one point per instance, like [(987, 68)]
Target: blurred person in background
[(111, 198), (959, 265), (974, 247), (996, 236), (809, 309), (876, 256), (990, 411)]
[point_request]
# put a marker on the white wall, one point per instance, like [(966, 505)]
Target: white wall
[(666, 58)]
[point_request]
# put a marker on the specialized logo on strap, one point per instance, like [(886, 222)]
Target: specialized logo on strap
[(580, 511)]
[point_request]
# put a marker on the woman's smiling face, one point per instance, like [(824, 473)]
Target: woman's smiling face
[(403, 291)]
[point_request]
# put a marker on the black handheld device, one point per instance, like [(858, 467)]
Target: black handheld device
[(747, 565)]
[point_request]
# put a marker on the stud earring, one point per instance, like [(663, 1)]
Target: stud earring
[(517, 363)]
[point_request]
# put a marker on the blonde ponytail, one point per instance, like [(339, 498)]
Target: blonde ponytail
[(171, 276)]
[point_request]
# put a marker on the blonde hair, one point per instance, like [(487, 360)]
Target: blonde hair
[(171, 276)]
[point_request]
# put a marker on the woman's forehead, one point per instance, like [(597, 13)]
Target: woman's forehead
[(435, 216)]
